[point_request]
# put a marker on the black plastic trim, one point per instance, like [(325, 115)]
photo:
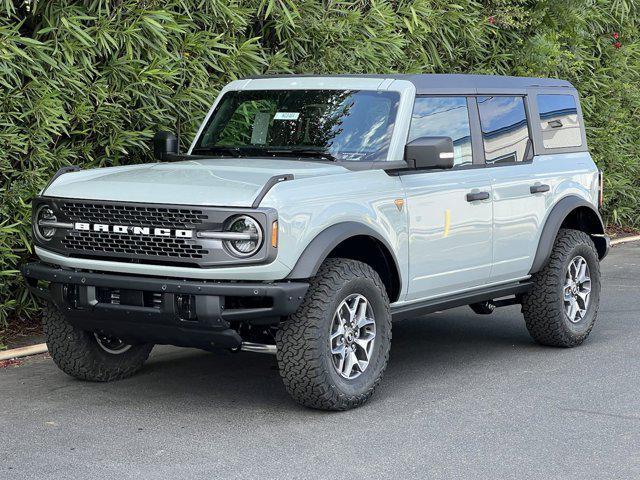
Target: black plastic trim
[(552, 226), (430, 306), (287, 296), (62, 171), (269, 185), (322, 245)]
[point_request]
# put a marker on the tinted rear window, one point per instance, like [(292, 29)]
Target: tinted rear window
[(559, 121)]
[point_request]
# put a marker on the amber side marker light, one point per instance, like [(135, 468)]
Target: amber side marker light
[(274, 234)]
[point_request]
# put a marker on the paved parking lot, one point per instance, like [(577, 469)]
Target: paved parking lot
[(465, 396)]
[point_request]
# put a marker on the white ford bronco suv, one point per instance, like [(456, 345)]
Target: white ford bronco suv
[(311, 211)]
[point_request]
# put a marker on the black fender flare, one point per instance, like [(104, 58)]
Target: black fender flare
[(554, 221), (321, 246)]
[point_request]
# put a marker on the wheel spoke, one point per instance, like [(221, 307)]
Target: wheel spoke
[(583, 299), (361, 309), (582, 272), (573, 309), (337, 333), (349, 362), (364, 322), (364, 347), (363, 364), (339, 350), (353, 308)]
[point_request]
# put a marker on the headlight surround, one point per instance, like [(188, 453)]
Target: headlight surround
[(44, 213), (244, 224)]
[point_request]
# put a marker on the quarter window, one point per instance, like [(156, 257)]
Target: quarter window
[(444, 117), (505, 132), (559, 121)]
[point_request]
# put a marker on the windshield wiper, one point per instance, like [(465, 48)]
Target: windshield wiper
[(304, 152), (232, 151)]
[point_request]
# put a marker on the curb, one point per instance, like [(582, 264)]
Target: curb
[(23, 351), (625, 240)]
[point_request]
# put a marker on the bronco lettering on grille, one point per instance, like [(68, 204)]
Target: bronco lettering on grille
[(133, 230)]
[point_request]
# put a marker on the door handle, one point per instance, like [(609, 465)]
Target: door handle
[(477, 196), (539, 188)]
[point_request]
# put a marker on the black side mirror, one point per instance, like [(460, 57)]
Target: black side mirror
[(165, 144), (429, 152)]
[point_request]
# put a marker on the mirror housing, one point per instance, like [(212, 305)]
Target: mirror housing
[(429, 152), (165, 144)]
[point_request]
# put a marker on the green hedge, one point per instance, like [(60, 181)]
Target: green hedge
[(89, 82)]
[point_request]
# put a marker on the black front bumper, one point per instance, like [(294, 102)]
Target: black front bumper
[(148, 309)]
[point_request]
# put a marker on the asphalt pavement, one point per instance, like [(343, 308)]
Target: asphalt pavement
[(464, 396)]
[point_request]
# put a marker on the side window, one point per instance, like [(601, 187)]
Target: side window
[(505, 132), (444, 117), (559, 121)]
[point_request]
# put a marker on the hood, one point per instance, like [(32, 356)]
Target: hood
[(233, 182)]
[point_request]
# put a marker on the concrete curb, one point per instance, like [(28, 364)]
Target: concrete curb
[(23, 352), (618, 241)]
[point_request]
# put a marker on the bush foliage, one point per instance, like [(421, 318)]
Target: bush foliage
[(89, 82)]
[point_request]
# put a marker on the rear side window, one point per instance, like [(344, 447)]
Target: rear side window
[(505, 132), (559, 121), (444, 117)]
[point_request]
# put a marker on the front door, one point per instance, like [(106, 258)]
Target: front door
[(450, 211)]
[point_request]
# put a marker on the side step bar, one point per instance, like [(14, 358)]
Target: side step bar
[(430, 306), (258, 348)]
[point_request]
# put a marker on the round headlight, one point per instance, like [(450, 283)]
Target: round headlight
[(44, 216), (251, 231)]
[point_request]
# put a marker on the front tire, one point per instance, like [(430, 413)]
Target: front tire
[(333, 351), (90, 356), (561, 308)]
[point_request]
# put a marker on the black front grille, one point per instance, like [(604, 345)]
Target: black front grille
[(139, 215), (147, 233), (118, 243), (81, 242)]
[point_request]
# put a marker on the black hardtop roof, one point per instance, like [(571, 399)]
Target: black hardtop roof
[(452, 81)]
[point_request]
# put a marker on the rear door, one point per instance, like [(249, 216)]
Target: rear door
[(521, 191), (450, 211)]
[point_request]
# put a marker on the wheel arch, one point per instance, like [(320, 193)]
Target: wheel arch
[(355, 241), (570, 212)]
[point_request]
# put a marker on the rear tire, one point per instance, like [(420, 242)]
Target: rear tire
[(548, 307), (90, 356), (327, 362)]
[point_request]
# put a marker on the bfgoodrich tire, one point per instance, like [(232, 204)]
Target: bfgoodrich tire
[(90, 356), (562, 306), (333, 351)]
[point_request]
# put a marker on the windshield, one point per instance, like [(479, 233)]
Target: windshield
[(345, 125)]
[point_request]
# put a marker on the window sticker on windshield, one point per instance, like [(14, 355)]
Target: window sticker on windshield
[(286, 116)]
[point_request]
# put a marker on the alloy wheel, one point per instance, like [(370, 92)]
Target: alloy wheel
[(577, 289), (353, 332)]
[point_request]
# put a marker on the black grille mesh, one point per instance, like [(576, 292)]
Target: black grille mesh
[(144, 216), (118, 244)]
